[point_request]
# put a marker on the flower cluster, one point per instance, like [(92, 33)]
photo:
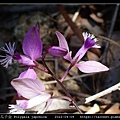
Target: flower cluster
[(33, 91)]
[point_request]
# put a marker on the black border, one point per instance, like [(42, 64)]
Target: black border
[(58, 1), (59, 116), (55, 116)]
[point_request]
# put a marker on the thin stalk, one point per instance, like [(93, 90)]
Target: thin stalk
[(71, 65), (37, 66), (41, 69), (65, 74), (60, 83)]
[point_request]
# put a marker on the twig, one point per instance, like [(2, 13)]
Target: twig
[(83, 95), (73, 19), (70, 22), (100, 94), (70, 78)]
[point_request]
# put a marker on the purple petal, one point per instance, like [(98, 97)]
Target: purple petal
[(89, 43), (22, 103), (30, 73), (26, 60), (90, 40), (16, 56), (57, 51), (62, 41), (63, 44), (32, 44), (91, 67), (27, 87)]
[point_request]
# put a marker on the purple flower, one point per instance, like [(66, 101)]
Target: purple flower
[(33, 91), (89, 42), (32, 48)]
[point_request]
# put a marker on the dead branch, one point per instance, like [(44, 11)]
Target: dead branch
[(104, 92), (102, 100)]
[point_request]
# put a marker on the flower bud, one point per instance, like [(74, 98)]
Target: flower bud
[(57, 51)]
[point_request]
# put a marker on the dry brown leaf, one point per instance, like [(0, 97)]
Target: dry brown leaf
[(92, 56), (115, 109), (84, 108), (58, 104)]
